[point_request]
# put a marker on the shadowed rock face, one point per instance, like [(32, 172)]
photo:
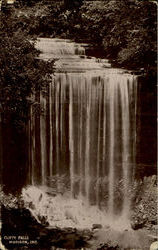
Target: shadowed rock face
[(14, 155)]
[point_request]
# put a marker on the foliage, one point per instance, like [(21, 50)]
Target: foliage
[(125, 30), (20, 71)]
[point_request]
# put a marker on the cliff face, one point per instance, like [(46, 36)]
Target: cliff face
[(146, 127)]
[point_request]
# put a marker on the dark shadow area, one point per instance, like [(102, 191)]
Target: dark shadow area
[(21, 231), (14, 157), (146, 127)]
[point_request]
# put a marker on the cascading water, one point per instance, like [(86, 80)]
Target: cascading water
[(86, 129)]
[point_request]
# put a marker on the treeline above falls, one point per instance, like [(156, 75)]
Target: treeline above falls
[(124, 31)]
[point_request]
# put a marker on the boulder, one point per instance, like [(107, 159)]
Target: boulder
[(96, 226), (135, 225)]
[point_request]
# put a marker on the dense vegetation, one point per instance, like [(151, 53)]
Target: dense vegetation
[(20, 71), (124, 30)]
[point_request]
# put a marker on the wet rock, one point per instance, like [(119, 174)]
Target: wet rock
[(96, 226), (106, 246), (144, 217), (153, 221), (135, 225)]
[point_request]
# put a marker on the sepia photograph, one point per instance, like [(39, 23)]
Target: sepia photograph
[(78, 125)]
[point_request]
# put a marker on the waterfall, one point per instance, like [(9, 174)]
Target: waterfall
[(86, 128)]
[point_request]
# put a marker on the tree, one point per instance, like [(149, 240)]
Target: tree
[(21, 73)]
